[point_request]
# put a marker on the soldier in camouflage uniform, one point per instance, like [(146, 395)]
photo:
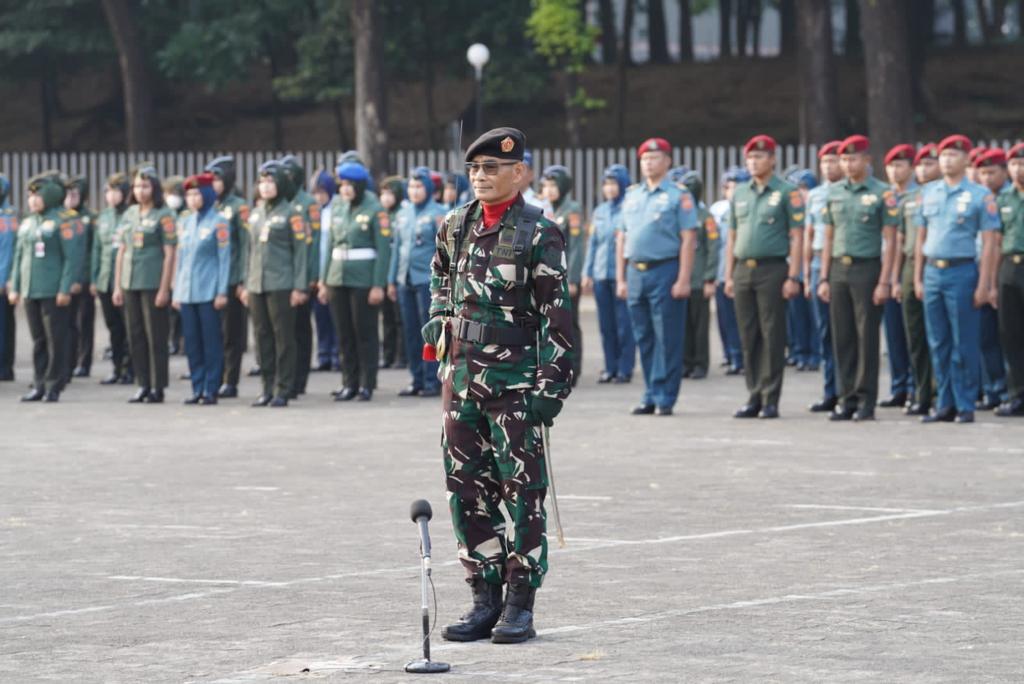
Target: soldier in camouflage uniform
[(501, 320)]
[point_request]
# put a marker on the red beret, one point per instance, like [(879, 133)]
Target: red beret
[(437, 180), (200, 180), (956, 142), (653, 145), (853, 144), (1016, 152), (764, 143), (831, 147), (991, 157), (929, 151), (976, 152), (899, 152)]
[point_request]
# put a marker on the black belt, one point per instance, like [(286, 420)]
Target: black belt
[(472, 331), (645, 265), (1016, 258), (947, 263), (847, 260), (763, 261)]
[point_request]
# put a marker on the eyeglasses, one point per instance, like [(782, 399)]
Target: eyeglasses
[(489, 167)]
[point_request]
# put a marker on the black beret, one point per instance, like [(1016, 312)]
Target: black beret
[(503, 143)]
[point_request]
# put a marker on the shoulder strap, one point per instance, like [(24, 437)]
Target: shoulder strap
[(522, 240)]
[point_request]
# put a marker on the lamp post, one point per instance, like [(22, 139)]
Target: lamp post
[(478, 55)]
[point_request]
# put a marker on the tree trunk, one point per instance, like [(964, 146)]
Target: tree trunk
[(819, 97), (657, 32), (428, 75), (277, 125), (886, 58), (341, 125), (622, 72), (959, 24), (685, 32), (921, 27), (138, 99), (572, 109), (725, 28), (626, 46), (371, 99), (851, 42), (787, 21), (609, 39)]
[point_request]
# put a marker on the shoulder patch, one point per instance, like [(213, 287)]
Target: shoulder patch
[(711, 228), (298, 227), (67, 231), (796, 200), (167, 223), (385, 223)]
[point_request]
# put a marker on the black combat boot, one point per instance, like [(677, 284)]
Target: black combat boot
[(479, 621), (516, 624)]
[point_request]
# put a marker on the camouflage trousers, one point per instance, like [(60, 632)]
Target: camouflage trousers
[(494, 456)]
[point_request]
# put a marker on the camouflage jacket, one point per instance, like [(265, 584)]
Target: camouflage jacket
[(485, 292)]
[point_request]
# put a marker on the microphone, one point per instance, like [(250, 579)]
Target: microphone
[(421, 513)]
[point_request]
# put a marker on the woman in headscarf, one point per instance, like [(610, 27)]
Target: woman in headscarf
[(105, 246)]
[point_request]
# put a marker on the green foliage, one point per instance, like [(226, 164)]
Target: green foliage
[(324, 65), (558, 33)]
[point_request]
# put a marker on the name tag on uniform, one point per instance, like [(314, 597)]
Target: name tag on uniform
[(774, 199), (138, 238), (40, 249)]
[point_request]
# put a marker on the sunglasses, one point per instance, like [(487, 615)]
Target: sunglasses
[(489, 167)]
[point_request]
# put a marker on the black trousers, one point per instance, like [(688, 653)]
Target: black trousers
[(304, 345), (83, 327), (577, 339), (855, 323), (1011, 322), (7, 338), (273, 319), (356, 323), (391, 321), (113, 317), (51, 345), (696, 352), (234, 322), (147, 337)]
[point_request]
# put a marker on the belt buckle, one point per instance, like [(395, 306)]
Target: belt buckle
[(641, 265), (847, 260), (1017, 258), (942, 263), (751, 263)]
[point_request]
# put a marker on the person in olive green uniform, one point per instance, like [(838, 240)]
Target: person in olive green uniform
[(236, 211), (696, 354), (862, 212), (105, 246), (306, 205), (926, 170), (46, 264), (1010, 282), (278, 280), (142, 282), (357, 273), (83, 304), (392, 194), (556, 186), (766, 222)]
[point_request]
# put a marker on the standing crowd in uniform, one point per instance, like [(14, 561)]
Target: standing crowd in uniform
[(806, 268)]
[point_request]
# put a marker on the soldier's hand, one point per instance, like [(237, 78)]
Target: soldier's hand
[(176, 305), (376, 296), (574, 290), (13, 298), (93, 291), (980, 296), (220, 302), (118, 297), (709, 290), (824, 292), (588, 285), (730, 288), (993, 297), (392, 293), (896, 292), (298, 298), (621, 290), (162, 299), (63, 299), (919, 290), (790, 289), (323, 294), (680, 290), (544, 410), (243, 296), (881, 294), (431, 332)]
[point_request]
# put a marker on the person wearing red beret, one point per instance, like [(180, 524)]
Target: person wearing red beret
[(763, 253), (1010, 282)]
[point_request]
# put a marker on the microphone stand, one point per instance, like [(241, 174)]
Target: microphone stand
[(425, 665)]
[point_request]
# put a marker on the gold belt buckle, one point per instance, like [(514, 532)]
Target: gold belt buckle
[(1017, 258), (942, 263), (751, 263), (641, 265), (847, 260)]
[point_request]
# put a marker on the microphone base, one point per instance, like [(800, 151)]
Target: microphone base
[(423, 666)]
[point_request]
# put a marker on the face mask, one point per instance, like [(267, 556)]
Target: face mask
[(173, 202)]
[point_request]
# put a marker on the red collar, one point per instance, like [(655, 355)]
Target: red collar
[(494, 212)]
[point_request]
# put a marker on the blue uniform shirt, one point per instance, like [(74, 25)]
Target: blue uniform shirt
[(954, 216), (8, 236), (204, 258), (413, 245), (653, 219), (817, 201), (605, 222)]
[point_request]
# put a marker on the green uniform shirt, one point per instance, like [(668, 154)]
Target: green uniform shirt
[(235, 210), (858, 213), (106, 240), (569, 219), (143, 239), (1011, 211), (47, 254), (309, 208), (88, 237), (910, 204), (705, 257), (762, 218), (360, 245), (279, 251)]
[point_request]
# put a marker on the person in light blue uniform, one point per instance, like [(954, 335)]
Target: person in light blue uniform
[(952, 284), (659, 241), (804, 341), (725, 308), (201, 277), (324, 190), (412, 249), (8, 236), (599, 277), (817, 200)]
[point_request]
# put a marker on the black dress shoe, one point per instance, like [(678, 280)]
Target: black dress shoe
[(383, 365), (604, 378), (863, 415), (410, 391), (80, 372), (140, 396), (917, 409), (346, 394), (824, 406), (364, 394), (34, 395), (478, 622), (516, 622), (791, 362), (1011, 408), (802, 366), (811, 367), (623, 379), (747, 411), (52, 397), (433, 392), (895, 401), (989, 404), (194, 399), (184, 376), (254, 372), (207, 401), (155, 397), (687, 372), (664, 411), (943, 416), (278, 402), (227, 391), (294, 394), (262, 400), (111, 379), (128, 378), (769, 411), (734, 370), (399, 365), (841, 414), (323, 366), (699, 374), (643, 410), (965, 417)]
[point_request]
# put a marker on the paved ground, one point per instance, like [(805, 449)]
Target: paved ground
[(229, 544)]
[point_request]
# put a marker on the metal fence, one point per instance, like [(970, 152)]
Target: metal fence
[(586, 164)]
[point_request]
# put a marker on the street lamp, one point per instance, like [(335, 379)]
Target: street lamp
[(478, 55)]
